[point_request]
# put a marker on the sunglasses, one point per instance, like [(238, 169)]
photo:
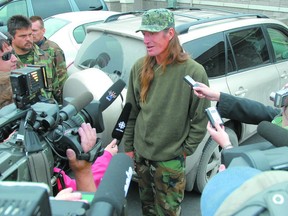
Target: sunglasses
[(6, 56)]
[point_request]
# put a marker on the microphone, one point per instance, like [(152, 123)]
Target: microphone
[(121, 123), (111, 94), (110, 196), (275, 134), (76, 105)]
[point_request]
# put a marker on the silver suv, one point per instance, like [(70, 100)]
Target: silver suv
[(245, 55)]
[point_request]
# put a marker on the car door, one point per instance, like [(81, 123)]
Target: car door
[(278, 36), (251, 71)]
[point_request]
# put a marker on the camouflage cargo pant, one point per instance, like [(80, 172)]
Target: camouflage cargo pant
[(161, 185)]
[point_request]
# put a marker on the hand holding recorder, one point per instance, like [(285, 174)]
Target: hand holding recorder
[(203, 91)]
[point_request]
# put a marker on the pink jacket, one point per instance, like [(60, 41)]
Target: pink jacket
[(98, 169)]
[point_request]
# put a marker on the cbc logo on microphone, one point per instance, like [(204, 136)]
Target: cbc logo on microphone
[(121, 126)]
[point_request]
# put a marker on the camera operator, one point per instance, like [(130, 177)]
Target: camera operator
[(8, 63), (87, 175)]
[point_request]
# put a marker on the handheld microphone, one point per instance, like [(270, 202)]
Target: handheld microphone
[(110, 196), (76, 105), (111, 94), (121, 123), (275, 134)]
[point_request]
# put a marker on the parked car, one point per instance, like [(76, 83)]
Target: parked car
[(45, 8), (68, 30), (243, 54)]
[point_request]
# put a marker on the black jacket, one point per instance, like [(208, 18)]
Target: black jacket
[(245, 110)]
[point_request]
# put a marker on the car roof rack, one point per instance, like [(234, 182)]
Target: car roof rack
[(115, 17), (181, 29)]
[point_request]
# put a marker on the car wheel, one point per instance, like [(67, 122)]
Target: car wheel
[(211, 159)]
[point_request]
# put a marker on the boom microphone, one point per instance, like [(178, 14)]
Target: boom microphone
[(275, 134), (121, 123), (76, 105), (110, 196), (111, 94)]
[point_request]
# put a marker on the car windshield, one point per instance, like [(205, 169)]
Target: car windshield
[(111, 53), (52, 25)]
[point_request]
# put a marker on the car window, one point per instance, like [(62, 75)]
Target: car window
[(209, 51), (11, 9), (279, 42), (249, 48), (79, 33), (106, 52), (46, 8), (52, 25), (88, 4)]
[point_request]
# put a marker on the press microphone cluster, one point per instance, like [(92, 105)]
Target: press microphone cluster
[(275, 134)]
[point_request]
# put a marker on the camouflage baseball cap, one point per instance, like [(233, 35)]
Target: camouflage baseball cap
[(156, 20)]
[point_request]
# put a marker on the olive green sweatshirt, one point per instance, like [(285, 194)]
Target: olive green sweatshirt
[(172, 121)]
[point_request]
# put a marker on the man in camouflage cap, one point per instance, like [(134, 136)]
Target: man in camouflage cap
[(167, 121), (156, 20), (28, 53)]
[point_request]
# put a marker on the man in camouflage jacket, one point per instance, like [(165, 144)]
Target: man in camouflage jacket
[(53, 49), (28, 53)]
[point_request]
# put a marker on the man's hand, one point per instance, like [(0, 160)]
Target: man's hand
[(82, 168), (88, 136), (203, 91)]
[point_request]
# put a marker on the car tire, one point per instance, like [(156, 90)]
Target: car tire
[(211, 159)]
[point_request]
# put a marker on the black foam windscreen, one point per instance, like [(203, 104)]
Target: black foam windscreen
[(113, 187), (111, 94), (121, 123), (273, 133)]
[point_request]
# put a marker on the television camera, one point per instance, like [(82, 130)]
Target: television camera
[(36, 131)]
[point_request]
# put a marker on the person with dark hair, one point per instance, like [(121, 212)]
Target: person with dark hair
[(52, 48), (28, 53), (8, 62), (167, 121)]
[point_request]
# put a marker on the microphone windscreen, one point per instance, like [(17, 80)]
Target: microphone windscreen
[(111, 94), (115, 184), (273, 133), (81, 101), (121, 123)]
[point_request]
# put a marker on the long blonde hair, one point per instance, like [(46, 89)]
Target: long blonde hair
[(175, 54)]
